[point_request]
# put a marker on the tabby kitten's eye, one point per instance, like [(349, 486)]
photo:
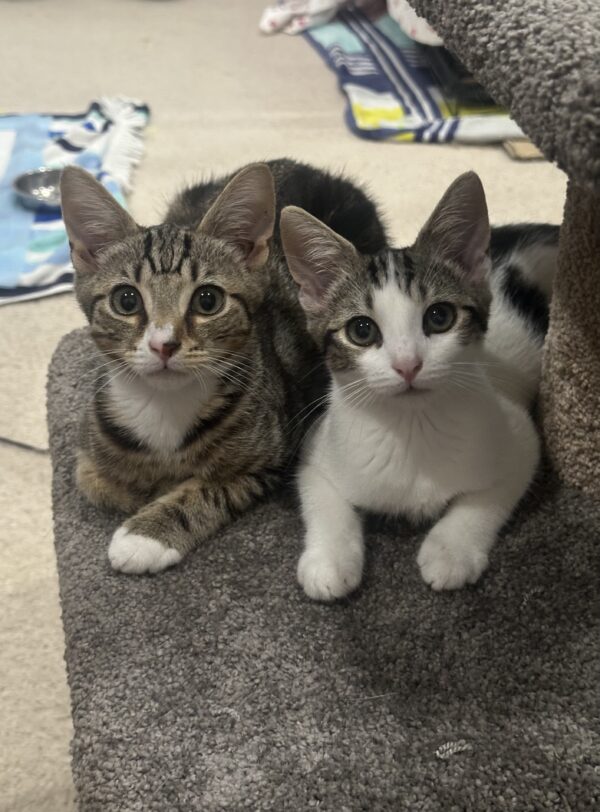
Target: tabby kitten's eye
[(439, 318), (208, 300), (126, 300), (362, 331)]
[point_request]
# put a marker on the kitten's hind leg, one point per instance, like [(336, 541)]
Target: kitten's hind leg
[(332, 562), (165, 530)]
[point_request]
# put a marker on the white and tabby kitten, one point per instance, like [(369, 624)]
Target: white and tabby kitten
[(434, 353)]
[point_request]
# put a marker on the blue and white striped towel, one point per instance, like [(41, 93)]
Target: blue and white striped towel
[(106, 140), (392, 92)]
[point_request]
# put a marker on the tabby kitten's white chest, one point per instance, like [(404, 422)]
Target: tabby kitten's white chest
[(159, 419)]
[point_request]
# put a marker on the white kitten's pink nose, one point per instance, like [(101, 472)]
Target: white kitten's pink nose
[(408, 369), (165, 349)]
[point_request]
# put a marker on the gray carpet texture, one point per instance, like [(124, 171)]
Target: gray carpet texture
[(219, 686), (539, 58)]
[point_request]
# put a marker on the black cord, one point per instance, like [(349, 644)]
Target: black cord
[(24, 446)]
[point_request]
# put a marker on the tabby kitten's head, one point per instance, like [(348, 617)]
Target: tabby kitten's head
[(168, 304), (403, 321)]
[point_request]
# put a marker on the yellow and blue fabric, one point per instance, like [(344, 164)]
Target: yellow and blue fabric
[(391, 90), (105, 140)]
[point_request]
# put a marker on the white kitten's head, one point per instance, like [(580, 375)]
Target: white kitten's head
[(403, 322)]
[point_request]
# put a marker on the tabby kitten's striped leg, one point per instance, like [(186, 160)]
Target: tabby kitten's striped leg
[(164, 531), (104, 492)]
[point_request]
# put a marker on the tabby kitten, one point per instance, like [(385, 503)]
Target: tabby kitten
[(206, 361), (434, 352)]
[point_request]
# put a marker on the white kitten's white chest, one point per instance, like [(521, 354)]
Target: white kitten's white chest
[(413, 463)]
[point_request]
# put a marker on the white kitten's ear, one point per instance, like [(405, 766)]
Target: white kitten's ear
[(244, 213), (92, 216), (459, 228), (316, 255)]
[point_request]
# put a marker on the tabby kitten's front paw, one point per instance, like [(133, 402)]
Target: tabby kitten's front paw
[(326, 576), (135, 554), (448, 563)]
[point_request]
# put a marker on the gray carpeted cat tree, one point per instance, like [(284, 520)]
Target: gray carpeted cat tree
[(542, 61), (218, 686)]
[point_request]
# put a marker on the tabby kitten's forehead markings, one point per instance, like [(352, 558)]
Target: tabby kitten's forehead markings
[(167, 250)]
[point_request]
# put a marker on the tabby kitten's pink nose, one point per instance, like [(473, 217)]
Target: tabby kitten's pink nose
[(408, 369), (165, 349)]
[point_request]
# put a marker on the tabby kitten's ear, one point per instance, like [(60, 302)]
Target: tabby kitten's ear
[(315, 254), (459, 229), (92, 216), (244, 213)]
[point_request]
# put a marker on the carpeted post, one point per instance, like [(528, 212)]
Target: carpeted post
[(571, 371)]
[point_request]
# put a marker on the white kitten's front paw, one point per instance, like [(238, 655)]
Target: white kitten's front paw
[(326, 576), (448, 563), (135, 554)]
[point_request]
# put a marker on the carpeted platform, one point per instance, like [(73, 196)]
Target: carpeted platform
[(217, 685)]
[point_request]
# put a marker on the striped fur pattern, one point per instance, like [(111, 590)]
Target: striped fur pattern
[(196, 414)]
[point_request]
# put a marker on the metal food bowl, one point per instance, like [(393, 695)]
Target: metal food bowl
[(39, 189)]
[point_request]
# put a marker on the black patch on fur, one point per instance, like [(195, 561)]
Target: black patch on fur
[(409, 278), (527, 300), (228, 505), (267, 479), (328, 339), (242, 301), (181, 518), (506, 239), (337, 202), (378, 269), (148, 250), (205, 425), (478, 318), (185, 252), (408, 261), (118, 434), (93, 304)]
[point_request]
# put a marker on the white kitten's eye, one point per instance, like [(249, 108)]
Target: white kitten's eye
[(126, 300), (208, 300), (362, 331), (439, 318)]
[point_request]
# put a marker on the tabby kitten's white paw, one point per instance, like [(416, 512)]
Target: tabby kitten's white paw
[(448, 563), (135, 554), (326, 576)]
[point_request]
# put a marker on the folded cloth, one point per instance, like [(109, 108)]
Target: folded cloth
[(413, 26), (392, 91), (106, 140), (296, 16)]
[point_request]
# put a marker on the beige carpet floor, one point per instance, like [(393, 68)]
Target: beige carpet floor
[(221, 95)]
